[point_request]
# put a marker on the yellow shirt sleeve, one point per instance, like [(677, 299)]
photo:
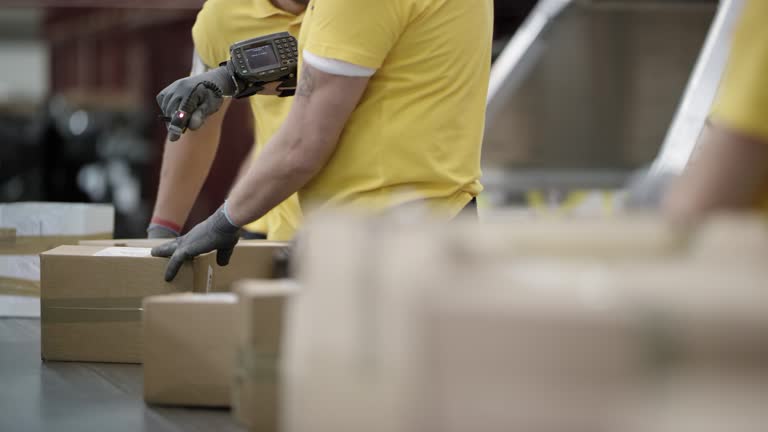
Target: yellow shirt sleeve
[(742, 100), (360, 32), (207, 35)]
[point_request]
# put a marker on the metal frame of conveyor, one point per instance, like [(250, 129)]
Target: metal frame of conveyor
[(699, 94)]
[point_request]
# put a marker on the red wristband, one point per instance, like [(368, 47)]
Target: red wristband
[(166, 223)]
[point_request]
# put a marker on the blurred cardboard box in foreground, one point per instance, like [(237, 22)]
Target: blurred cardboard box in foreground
[(260, 334), (494, 327)]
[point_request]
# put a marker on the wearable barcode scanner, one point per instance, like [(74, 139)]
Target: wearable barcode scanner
[(263, 60)]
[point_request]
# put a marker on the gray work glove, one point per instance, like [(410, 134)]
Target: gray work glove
[(159, 232), (198, 95), (215, 233)]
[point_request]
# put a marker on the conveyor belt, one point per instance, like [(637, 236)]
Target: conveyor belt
[(82, 397)]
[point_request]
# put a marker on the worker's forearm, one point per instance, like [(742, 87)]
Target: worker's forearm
[(186, 164), (302, 146), (727, 172), (281, 169)]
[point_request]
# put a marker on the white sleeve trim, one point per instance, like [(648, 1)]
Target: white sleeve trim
[(337, 67)]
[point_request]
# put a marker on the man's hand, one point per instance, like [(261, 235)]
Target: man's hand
[(215, 233), (199, 96)]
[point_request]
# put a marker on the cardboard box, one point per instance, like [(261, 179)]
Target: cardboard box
[(30, 228), (255, 390), (91, 299), (188, 360), (253, 259), (732, 237)]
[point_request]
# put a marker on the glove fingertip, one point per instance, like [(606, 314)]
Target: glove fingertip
[(223, 256), (173, 268)]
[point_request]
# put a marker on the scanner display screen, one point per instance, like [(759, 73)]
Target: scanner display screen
[(261, 56)]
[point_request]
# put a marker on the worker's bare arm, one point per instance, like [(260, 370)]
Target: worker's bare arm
[(728, 172), (302, 146), (185, 166)]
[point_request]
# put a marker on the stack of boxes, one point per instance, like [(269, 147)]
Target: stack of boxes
[(92, 299), (92, 296), (533, 325)]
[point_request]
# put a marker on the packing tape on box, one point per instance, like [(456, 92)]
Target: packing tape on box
[(80, 310), (19, 287), (35, 245)]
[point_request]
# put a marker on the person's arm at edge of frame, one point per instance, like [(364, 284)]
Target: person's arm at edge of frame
[(293, 156), (185, 167), (728, 171)]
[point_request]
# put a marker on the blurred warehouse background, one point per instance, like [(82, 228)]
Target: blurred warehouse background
[(590, 106)]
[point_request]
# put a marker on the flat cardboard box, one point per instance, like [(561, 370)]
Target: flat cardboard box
[(91, 299), (260, 311), (252, 259), (189, 349)]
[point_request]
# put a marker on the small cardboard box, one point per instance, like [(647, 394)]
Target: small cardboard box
[(91, 299), (188, 360), (259, 318), (252, 259)]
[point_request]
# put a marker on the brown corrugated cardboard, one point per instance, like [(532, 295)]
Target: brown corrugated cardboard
[(189, 349), (259, 334), (91, 299), (124, 242), (252, 259)]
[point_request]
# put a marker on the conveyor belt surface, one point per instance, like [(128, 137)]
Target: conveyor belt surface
[(82, 397)]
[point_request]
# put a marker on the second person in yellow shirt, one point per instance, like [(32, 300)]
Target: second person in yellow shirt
[(186, 162)]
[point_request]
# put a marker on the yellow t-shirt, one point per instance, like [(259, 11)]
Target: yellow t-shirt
[(742, 99), (221, 23), (417, 132)]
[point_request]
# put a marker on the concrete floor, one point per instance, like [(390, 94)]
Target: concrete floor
[(82, 397)]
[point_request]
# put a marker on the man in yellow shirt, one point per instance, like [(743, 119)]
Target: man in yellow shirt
[(186, 163), (729, 169), (389, 110)]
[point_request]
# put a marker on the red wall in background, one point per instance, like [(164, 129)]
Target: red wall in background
[(134, 54)]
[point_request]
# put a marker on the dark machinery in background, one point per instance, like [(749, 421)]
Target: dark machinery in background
[(72, 153), (99, 155)]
